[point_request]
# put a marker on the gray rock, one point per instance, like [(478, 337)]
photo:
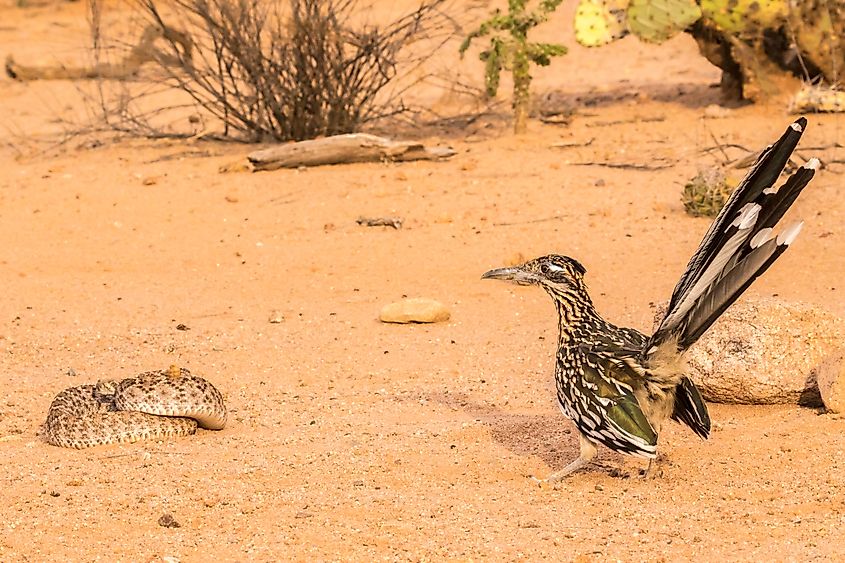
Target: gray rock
[(764, 351), (414, 310), (831, 379)]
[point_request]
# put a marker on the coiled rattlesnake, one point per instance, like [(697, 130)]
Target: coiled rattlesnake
[(151, 405)]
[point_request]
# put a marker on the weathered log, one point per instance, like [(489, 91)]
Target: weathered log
[(344, 149)]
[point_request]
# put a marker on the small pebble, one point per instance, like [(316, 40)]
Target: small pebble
[(167, 521), (236, 166), (414, 310), (276, 317)]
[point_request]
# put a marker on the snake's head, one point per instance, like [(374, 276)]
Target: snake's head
[(105, 389)]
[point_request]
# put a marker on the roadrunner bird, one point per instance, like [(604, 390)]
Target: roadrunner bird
[(618, 385)]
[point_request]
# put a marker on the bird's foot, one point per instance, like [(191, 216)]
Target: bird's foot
[(653, 471), (543, 483), (565, 472), (588, 452)]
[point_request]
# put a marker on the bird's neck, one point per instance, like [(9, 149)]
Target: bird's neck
[(577, 317)]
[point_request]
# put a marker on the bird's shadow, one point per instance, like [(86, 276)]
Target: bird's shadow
[(549, 437)]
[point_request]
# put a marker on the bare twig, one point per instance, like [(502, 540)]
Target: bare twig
[(573, 145), (531, 221), (720, 147), (653, 119), (625, 165)]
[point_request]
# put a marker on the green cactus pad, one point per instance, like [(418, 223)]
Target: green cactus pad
[(656, 21), (599, 22), (745, 16)]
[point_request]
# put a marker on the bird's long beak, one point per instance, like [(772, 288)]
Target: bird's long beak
[(514, 274)]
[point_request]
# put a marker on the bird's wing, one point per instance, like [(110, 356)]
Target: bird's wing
[(608, 410), (690, 408)]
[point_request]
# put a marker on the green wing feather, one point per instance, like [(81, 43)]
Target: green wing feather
[(615, 390)]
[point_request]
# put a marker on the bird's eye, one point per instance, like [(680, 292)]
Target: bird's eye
[(550, 269)]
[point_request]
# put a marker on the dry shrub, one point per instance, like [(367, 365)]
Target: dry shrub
[(275, 69), (706, 193)]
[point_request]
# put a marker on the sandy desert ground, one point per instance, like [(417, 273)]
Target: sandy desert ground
[(350, 439)]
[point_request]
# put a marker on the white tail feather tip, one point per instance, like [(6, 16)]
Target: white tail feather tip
[(790, 233), (747, 216), (797, 127), (813, 164), (762, 237)]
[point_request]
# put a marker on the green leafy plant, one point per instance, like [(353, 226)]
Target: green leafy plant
[(510, 50)]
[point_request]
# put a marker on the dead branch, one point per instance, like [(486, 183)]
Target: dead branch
[(344, 149), (625, 165)]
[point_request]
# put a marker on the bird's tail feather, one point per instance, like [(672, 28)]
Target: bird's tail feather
[(690, 408), (738, 247)]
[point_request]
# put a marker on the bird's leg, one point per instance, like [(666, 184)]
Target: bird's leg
[(588, 452), (654, 470)]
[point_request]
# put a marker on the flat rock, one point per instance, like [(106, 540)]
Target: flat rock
[(414, 310), (831, 380), (765, 351)]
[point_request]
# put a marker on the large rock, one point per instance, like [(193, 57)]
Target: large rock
[(765, 351), (831, 379)]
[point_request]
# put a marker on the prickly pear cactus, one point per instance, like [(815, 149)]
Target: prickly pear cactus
[(599, 22), (764, 47), (818, 27), (741, 17), (656, 21)]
